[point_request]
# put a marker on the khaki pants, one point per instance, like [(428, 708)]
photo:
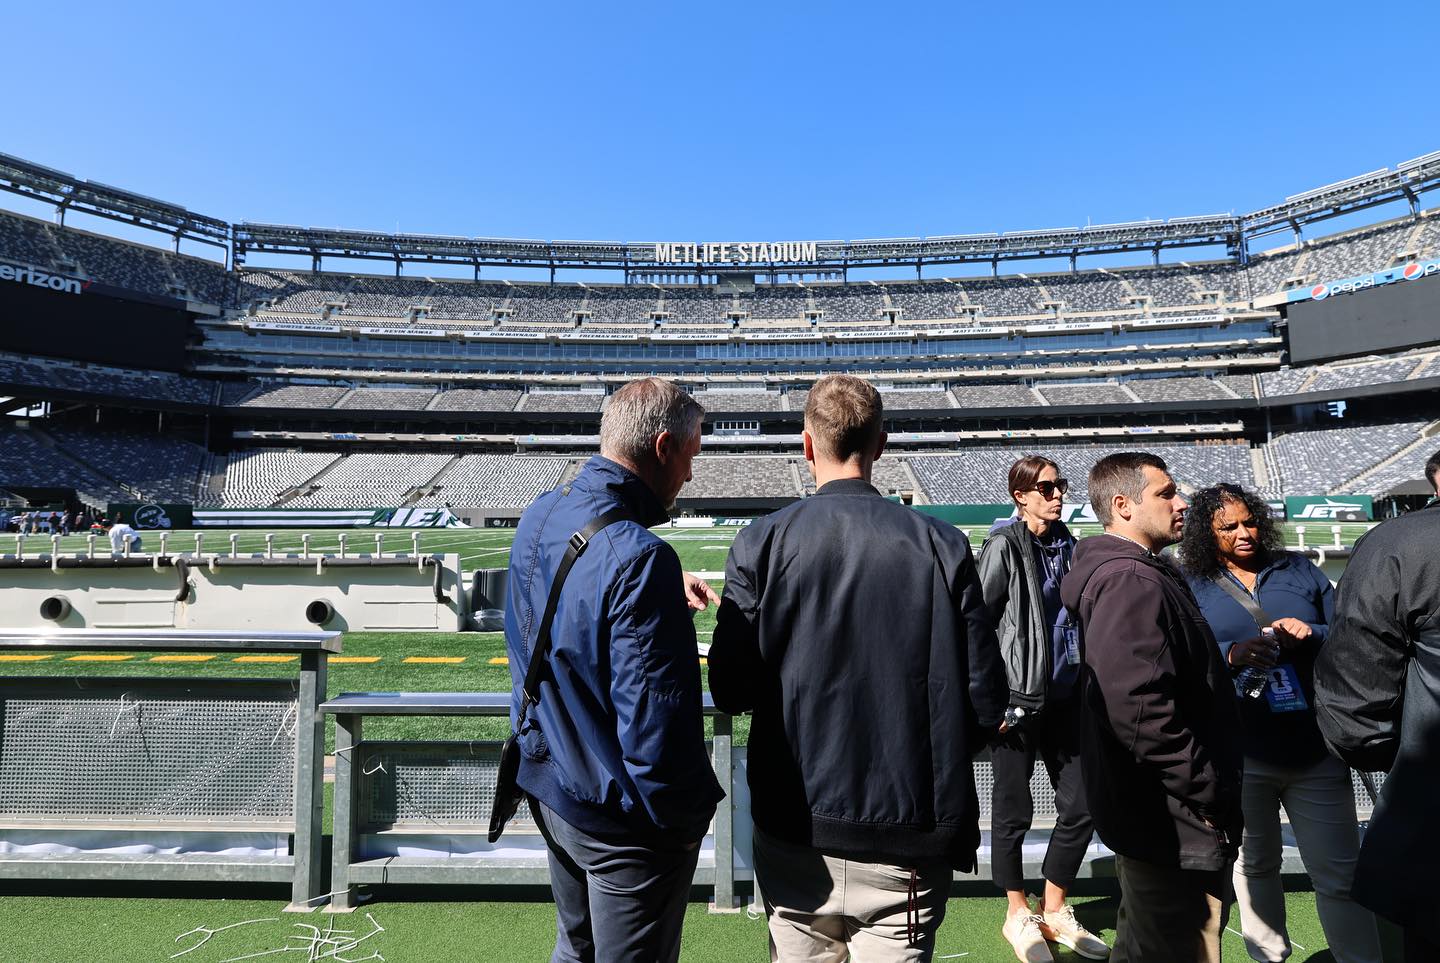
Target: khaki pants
[(824, 909), (1321, 807), (1176, 915)]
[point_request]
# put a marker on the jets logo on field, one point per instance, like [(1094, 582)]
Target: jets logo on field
[(1329, 509), (151, 516)]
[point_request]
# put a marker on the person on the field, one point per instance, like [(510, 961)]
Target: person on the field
[(855, 630), (1377, 693), (122, 534), (1160, 733), (1021, 566), (1233, 551), (613, 754), (1432, 473)]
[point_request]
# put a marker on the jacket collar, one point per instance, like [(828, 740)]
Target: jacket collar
[(602, 474), (847, 486)]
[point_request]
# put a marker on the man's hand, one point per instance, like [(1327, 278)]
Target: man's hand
[(698, 593), (1291, 632)]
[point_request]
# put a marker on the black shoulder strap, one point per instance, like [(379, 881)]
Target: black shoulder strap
[(541, 650), (1253, 607)]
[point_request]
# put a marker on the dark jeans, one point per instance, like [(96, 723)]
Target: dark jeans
[(1053, 735), (617, 900)]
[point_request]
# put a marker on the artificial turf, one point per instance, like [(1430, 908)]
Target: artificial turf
[(427, 927), (430, 925)]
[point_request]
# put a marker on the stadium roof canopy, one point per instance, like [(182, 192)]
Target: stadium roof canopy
[(1406, 182), (68, 192)]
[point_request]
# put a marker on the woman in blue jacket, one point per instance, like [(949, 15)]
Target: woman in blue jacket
[(1246, 583)]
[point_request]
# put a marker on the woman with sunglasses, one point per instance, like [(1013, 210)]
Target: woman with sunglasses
[(1021, 566)]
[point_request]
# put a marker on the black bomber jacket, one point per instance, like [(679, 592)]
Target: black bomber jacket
[(854, 630)]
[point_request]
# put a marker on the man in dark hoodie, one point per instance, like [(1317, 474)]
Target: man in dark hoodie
[(1160, 742)]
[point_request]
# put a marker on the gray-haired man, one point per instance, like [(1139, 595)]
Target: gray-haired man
[(613, 753)]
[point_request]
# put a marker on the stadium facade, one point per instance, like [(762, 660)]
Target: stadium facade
[(142, 373)]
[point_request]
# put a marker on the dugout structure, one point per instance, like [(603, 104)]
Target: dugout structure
[(213, 779)]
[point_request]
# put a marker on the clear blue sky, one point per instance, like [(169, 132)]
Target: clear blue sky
[(713, 121)]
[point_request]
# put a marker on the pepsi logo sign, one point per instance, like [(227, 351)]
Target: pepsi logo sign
[(1319, 292)]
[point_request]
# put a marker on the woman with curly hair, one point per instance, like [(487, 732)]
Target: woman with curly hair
[(1270, 611)]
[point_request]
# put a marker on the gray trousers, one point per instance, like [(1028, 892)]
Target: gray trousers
[(825, 909), (617, 900), (1320, 803)]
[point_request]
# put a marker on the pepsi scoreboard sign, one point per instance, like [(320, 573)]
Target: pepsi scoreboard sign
[(1407, 272), (1379, 315)]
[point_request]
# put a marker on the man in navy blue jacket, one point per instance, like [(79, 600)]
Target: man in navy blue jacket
[(613, 754)]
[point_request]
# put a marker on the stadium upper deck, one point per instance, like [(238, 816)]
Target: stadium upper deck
[(1202, 333)]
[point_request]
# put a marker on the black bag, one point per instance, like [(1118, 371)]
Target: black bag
[(508, 793)]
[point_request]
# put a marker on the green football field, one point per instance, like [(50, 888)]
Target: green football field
[(395, 661), (700, 549), (433, 926), (55, 922)]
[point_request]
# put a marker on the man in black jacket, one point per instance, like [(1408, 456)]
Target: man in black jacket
[(1377, 695), (854, 629), (1160, 743)]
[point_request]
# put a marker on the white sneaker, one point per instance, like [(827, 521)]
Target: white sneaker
[(1062, 927), (1022, 929)]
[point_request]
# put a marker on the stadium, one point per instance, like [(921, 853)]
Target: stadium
[(1308, 370), (348, 424)]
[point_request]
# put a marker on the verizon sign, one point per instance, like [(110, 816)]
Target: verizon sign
[(41, 279)]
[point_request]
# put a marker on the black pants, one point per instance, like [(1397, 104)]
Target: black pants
[(1418, 945), (1053, 735)]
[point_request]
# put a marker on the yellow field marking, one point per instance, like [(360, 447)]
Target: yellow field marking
[(24, 658), (265, 658), (195, 657), (100, 658), (502, 660), (704, 661), (436, 659), (354, 658)]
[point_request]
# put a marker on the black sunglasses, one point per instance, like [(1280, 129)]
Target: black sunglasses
[(1049, 488)]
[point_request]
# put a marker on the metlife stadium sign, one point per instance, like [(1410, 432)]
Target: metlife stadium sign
[(761, 252), (1407, 272)]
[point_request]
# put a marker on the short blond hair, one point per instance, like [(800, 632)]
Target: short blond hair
[(844, 416)]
